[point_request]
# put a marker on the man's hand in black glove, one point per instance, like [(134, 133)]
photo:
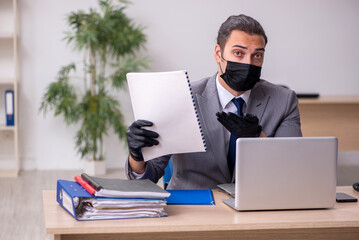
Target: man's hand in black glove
[(246, 126), (138, 138)]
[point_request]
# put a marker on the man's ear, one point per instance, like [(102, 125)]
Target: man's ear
[(217, 53)]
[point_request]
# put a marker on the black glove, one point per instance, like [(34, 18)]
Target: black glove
[(240, 127), (138, 138)]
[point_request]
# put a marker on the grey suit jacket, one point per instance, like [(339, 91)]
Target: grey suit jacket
[(277, 111)]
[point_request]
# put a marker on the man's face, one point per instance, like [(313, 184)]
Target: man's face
[(241, 47)]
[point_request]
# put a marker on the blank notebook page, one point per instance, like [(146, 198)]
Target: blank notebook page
[(165, 98)]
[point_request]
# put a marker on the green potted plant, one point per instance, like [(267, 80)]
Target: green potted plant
[(109, 42)]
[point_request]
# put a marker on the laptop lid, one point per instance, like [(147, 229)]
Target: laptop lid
[(285, 173)]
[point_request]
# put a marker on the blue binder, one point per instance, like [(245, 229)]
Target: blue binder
[(68, 194), (190, 197), (9, 107)]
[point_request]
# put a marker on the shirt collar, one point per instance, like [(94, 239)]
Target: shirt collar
[(226, 97)]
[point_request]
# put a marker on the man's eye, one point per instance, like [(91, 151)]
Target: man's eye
[(258, 56), (238, 54)]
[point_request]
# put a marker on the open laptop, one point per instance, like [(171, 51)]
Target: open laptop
[(285, 173)]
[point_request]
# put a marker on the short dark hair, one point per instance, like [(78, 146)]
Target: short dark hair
[(242, 23)]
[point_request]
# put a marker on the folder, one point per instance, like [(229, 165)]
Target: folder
[(138, 188), (9, 107), (190, 197), (83, 206)]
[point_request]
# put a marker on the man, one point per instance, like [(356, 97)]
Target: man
[(233, 103)]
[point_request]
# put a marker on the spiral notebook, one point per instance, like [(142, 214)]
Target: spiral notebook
[(166, 99)]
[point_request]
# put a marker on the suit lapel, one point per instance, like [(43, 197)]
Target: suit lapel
[(257, 102), (209, 105)]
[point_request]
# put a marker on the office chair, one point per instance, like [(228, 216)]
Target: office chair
[(168, 174)]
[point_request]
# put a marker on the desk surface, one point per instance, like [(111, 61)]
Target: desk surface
[(206, 218)]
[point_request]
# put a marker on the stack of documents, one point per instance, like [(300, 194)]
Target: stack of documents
[(93, 208), (83, 205)]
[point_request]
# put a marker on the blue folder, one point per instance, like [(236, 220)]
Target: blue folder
[(190, 197)]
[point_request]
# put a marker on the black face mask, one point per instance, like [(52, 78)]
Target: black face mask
[(241, 76)]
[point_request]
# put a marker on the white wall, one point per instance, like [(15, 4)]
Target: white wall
[(313, 46)]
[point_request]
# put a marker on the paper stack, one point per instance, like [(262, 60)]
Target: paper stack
[(119, 198), (106, 208)]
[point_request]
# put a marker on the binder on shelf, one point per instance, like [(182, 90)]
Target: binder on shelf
[(166, 99), (190, 197), (83, 206), (9, 107)]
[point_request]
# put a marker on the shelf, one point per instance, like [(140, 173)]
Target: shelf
[(6, 128), (7, 81), (9, 173), (6, 35)]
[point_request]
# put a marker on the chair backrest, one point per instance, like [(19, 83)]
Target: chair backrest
[(168, 174)]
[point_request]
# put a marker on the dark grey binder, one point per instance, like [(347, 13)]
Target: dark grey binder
[(140, 188)]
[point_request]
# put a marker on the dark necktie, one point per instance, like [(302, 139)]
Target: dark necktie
[(232, 141)]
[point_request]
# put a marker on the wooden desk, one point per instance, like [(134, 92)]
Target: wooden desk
[(332, 116), (211, 222)]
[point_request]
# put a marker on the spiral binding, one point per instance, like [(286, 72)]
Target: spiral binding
[(196, 112)]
